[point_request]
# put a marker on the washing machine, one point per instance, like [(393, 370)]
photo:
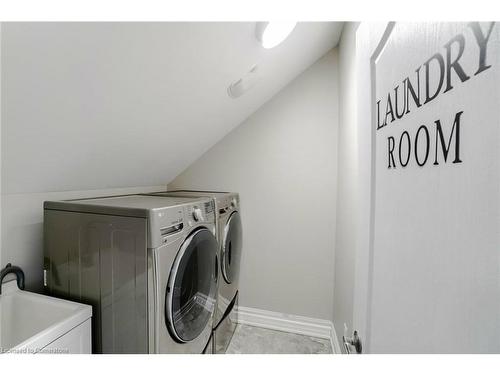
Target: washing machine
[(148, 265), (229, 235)]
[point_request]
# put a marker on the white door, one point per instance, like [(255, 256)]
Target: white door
[(428, 255)]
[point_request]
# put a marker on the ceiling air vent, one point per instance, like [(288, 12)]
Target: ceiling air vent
[(238, 88)]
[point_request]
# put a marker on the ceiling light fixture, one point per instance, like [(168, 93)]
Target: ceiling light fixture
[(270, 34)]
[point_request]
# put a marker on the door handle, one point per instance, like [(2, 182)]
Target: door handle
[(353, 341)]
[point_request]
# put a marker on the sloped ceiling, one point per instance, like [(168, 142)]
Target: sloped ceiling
[(101, 105)]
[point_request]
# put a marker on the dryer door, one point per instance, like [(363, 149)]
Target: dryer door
[(192, 286), (231, 248)]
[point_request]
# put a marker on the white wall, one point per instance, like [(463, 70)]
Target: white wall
[(347, 194), (58, 106), (283, 162), (89, 105)]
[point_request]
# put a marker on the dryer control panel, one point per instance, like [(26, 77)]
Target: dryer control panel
[(227, 204)]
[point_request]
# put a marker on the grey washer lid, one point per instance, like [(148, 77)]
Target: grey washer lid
[(217, 196), (126, 205)]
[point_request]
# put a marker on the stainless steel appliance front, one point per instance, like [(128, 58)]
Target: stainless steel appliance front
[(230, 238)]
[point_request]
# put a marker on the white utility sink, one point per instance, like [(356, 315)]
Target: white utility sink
[(34, 323)]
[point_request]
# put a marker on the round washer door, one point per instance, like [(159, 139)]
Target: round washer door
[(231, 248), (192, 286)]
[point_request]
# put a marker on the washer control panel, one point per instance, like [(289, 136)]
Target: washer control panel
[(168, 223), (204, 211)]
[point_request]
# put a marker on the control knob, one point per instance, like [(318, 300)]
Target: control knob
[(233, 202), (197, 214)]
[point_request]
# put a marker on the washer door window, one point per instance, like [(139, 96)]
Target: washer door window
[(231, 248), (192, 286)]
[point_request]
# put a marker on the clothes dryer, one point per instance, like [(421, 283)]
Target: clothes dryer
[(230, 237)]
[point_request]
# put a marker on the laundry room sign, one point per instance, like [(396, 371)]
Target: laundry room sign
[(433, 137)]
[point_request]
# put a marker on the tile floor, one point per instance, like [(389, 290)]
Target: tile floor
[(254, 340)]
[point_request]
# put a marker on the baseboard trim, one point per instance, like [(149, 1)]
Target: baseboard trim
[(301, 325)]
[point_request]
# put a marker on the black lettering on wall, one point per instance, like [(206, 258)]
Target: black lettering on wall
[(439, 75), (390, 146), (455, 64), (437, 57), (396, 89), (427, 140), (378, 116), (409, 149), (438, 67), (444, 147), (482, 41), (388, 110), (411, 90)]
